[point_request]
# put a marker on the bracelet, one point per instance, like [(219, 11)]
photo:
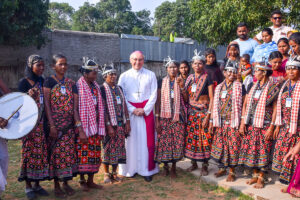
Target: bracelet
[(107, 123), (53, 126), (210, 120), (208, 112), (272, 123), (182, 89), (127, 119), (242, 117), (77, 124), (156, 115)]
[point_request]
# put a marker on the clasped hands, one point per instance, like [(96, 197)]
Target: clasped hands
[(139, 112)]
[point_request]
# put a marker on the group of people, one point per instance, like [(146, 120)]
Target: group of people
[(223, 112)]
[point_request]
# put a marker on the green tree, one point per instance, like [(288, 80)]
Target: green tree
[(22, 22), (112, 16), (86, 18), (215, 21), (60, 15), (172, 16)]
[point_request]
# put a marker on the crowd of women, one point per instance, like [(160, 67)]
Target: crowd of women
[(219, 112)]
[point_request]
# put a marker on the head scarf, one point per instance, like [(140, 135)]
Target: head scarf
[(28, 69)]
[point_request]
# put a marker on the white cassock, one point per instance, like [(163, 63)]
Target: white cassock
[(138, 86), (3, 163)]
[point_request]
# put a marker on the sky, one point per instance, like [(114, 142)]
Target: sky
[(135, 4)]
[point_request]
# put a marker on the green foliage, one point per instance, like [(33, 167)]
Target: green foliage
[(172, 16), (112, 16), (22, 22), (60, 15), (215, 21)]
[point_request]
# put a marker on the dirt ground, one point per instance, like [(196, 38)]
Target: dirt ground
[(185, 186)]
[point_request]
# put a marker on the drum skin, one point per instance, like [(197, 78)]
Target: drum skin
[(24, 120)]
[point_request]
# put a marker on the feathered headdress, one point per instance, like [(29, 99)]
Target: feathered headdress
[(197, 56)]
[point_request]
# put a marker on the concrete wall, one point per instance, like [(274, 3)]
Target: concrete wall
[(73, 44)]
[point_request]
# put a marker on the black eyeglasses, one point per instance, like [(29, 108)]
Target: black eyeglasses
[(275, 18)]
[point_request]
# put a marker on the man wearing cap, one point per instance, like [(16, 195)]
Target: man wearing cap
[(140, 89)]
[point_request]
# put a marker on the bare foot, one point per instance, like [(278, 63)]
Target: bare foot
[(252, 181), (59, 193), (220, 173), (166, 171), (68, 189), (260, 183), (192, 168), (84, 186), (204, 171), (230, 177), (284, 190), (94, 185), (173, 173)]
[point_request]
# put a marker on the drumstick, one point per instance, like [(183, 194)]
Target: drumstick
[(14, 112)]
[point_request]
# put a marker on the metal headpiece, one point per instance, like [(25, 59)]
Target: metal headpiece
[(293, 61), (231, 65), (106, 69), (89, 64), (168, 61), (263, 65), (197, 56)]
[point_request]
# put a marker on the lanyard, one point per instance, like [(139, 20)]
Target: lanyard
[(291, 88), (228, 85), (172, 84)]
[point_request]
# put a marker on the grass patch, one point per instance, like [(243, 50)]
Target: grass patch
[(186, 186)]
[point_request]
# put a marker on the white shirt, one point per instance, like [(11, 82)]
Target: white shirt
[(138, 86), (278, 33)]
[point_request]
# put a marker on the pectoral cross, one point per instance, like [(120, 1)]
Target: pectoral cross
[(138, 92)]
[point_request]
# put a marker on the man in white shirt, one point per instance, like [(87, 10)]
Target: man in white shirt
[(140, 89), (246, 44), (279, 30)]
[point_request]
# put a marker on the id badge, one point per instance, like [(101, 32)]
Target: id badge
[(288, 102), (63, 89), (257, 94), (95, 99), (172, 94), (194, 86), (224, 93), (41, 99), (118, 100)]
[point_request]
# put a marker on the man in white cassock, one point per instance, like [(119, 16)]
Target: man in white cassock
[(140, 87)]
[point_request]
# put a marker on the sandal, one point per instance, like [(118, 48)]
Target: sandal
[(107, 178), (116, 178), (204, 169), (260, 185)]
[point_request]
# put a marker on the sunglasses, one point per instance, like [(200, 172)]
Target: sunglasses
[(275, 18)]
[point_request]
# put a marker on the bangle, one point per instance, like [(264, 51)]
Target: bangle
[(127, 119), (107, 123), (210, 120), (272, 123), (242, 117), (208, 112), (52, 126), (78, 124), (182, 89), (156, 115)]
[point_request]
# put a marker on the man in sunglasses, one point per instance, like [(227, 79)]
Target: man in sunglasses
[(279, 30)]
